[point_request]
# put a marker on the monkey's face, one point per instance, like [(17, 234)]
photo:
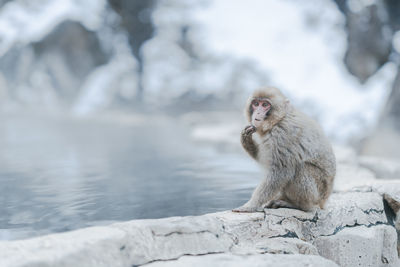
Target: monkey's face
[(259, 109), (265, 108)]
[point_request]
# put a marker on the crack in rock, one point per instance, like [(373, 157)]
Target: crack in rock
[(342, 227), (184, 233), (369, 211), (289, 234), (177, 258), (312, 220)]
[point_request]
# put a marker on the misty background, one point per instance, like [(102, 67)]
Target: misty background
[(116, 110)]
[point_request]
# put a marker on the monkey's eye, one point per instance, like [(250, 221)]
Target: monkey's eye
[(255, 103), (265, 105)]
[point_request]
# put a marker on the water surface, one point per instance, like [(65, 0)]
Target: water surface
[(59, 174)]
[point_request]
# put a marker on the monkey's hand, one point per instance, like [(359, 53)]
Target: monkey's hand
[(249, 130), (248, 208), (247, 141)]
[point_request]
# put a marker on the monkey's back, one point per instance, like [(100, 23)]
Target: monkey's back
[(297, 139)]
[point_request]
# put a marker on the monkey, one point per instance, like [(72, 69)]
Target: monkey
[(296, 156)]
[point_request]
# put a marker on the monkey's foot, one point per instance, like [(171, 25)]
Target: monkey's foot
[(279, 203), (248, 209)]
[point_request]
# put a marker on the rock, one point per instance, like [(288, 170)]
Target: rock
[(77, 248), (390, 191), (239, 238), (353, 171), (361, 246), (69, 53), (255, 260), (172, 238), (345, 155), (391, 111), (281, 245), (369, 43), (395, 206), (382, 167), (53, 68), (351, 175), (384, 140)]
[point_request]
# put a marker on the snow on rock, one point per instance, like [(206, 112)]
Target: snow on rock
[(386, 168), (23, 22), (350, 175), (178, 60), (256, 260), (106, 81)]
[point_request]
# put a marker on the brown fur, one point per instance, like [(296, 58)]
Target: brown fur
[(297, 157)]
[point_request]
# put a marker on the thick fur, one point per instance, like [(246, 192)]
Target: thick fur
[(297, 157)]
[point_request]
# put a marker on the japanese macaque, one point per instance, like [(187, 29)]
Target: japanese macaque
[(297, 158)]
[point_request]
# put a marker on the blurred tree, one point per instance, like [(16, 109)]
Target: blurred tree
[(393, 9), (369, 42), (70, 52), (136, 20), (2, 2), (392, 109), (55, 66), (371, 27)]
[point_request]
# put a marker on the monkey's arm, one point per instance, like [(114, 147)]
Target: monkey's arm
[(247, 141)]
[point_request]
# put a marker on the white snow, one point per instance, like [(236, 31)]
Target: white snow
[(396, 41), (301, 45), (105, 81), (23, 21)]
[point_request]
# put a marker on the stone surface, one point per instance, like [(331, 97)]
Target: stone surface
[(361, 246), (97, 246), (220, 237), (390, 191), (255, 260)]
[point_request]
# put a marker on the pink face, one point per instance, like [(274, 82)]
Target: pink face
[(260, 107)]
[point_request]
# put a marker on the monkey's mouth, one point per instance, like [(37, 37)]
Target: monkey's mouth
[(262, 119), (258, 118)]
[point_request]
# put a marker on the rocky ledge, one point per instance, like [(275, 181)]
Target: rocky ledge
[(357, 228)]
